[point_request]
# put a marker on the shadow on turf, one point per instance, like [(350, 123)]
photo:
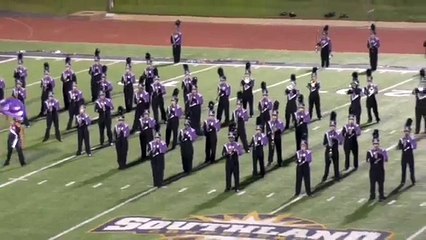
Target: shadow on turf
[(359, 214)]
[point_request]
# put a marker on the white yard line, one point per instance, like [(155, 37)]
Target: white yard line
[(361, 200), (391, 202), (270, 195), (125, 187), (102, 214), (211, 191), (183, 190), (288, 204), (330, 199), (367, 130), (241, 193), (7, 60), (97, 185), (412, 237), (393, 131), (18, 179), (316, 128), (423, 204), (40, 183), (69, 184)]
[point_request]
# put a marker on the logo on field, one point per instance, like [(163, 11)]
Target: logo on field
[(251, 226)]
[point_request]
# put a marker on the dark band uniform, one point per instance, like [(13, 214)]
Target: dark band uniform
[(52, 116), (128, 79), (371, 91), (314, 96), (350, 132), (147, 125), (195, 101), (324, 45), (240, 117), (186, 137), (21, 93), (186, 87), (157, 148), (407, 144), (420, 93), (274, 129), (176, 41), (76, 100), (95, 72), (142, 101), (47, 86), (106, 87), (265, 107), (303, 169), (373, 45), (104, 107), (174, 113), (232, 151), (211, 127), (258, 141), (292, 96), (2, 89), (147, 77), (224, 91), (301, 121), (68, 77), (14, 141), (21, 72), (247, 85), (377, 158), (331, 142), (121, 133), (355, 96), (83, 134), (157, 100)]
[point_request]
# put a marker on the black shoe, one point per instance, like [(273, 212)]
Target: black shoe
[(372, 198), (45, 139), (402, 183), (324, 179), (6, 164), (22, 165), (78, 153), (369, 120), (280, 164), (269, 164), (382, 198), (413, 183), (378, 120), (227, 189), (237, 190)]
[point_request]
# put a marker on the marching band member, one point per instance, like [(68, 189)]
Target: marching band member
[(314, 96), (377, 158), (371, 91), (95, 72), (156, 149), (324, 44), (187, 136), (76, 101), (292, 96), (351, 132), (303, 168), (68, 77), (121, 134), (104, 107), (174, 113), (15, 141), (195, 101), (83, 134), (240, 117), (407, 145), (186, 86), (104, 85), (128, 79), (142, 101), (274, 129), (331, 142), (176, 41), (21, 72), (147, 77), (52, 116), (47, 86), (2, 88), (223, 93), (211, 127), (264, 106), (157, 99), (247, 84), (146, 135), (420, 93), (373, 45), (258, 141), (232, 151), (301, 121), (355, 93), (20, 93)]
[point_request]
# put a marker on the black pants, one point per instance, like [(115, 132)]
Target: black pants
[(232, 167), (18, 149), (258, 157), (172, 128), (356, 111), (211, 144), (372, 105), (351, 147), (419, 114), (289, 114), (44, 96), (94, 87), (331, 159), (248, 100), (83, 135), (187, 154), (65, 94), (121, 147), (314, 100), (157, 166), (377, 175), (374, 56), (276, 145), (105, 124), (241, 133), (301, 134), (138, 113), (325, 57), (407, 160), (1, 94), (144, 138), (303, 172), (72, 112), (264, 118), (195, 118), (176, 53), (158, 103), (52, 117), (223, 107), (128, 97)]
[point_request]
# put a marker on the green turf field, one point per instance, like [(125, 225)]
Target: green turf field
[(58, 192)]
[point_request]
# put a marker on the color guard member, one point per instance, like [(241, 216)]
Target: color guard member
[(373, 45), (15, 141), (176, 41), (324, 45)]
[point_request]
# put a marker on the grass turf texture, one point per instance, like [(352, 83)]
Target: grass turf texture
[(35, 207)]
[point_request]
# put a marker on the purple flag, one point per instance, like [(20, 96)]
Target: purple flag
[(12, 107)]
